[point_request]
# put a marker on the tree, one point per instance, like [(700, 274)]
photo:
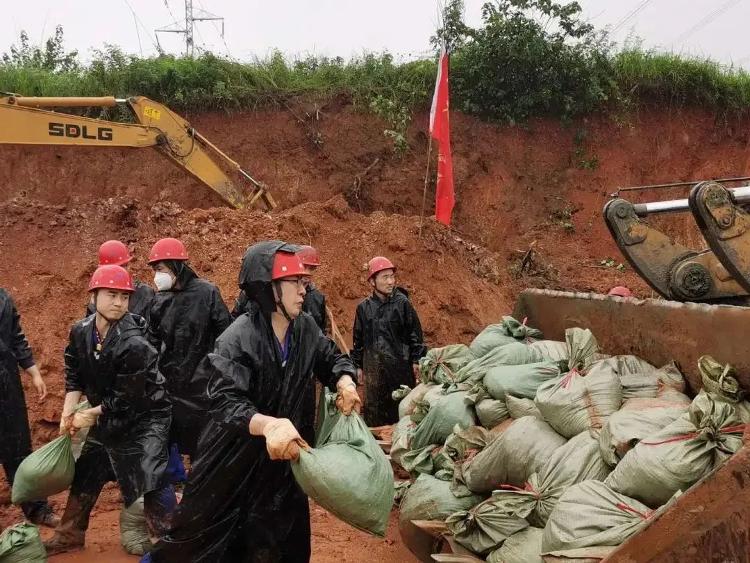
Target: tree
[(52, 57)]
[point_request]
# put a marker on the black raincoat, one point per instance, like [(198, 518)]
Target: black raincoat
[(140, 301), (387, 342), (134, 425), (14, 352), (183, 327), (239, 506), (315, 306)]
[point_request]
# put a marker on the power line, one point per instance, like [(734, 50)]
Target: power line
[(707, 20), (216, 27), (629, 16), (138, 21)]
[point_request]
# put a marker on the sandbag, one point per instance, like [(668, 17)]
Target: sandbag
[(408, 402), (422, 460), (634, 422), (720, 379), (134, 536), (483, 528), (491, 412), (518, 408), (22, 544), (592, 514), (522, 547), (403, 431), (519, 381), (422, 406), (578, 402), (514, 354), (447, 412), (551, 350), (428, 499), (582, 348), (440, 365), (347, 473), (497, 335), (524, 448), (676, 457), (46, 472), (576, 461)]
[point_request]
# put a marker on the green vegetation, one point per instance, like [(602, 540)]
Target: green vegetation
[(529, 58)]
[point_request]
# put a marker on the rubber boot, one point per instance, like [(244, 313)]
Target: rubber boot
[(70, 535)]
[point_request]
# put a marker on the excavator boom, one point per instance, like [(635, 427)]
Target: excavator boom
[(25, 120)]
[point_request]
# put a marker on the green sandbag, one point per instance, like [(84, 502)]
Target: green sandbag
[(522, 547), (134, 535), (576, 461), (511, 458), (490, 412), (635, 421), (22, 544), (347, 473), (519, 381), (428, 498), (506, 332), (450, 410), (408, 400), (678, 456), (551, 350), (720, 379), (578, 402), (592, 514), (403, 431), (440, 365), (421, 460), (582, 348), (518, 407), (46, 472), (483, 528), (514, 354)]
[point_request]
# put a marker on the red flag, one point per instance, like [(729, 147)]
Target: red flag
[(440, 131)]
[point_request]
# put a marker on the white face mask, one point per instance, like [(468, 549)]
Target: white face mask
[(163, 281)]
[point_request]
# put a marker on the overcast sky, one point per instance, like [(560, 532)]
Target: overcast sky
[(253, 28)]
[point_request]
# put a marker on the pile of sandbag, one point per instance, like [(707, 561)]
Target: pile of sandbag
[(529, 447)]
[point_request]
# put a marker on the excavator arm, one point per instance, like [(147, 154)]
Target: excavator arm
[(28, 120)]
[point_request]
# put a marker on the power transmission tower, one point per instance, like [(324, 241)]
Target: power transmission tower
[(192, 15)]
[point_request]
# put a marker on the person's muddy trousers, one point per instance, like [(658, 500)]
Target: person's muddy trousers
[(93, 470)]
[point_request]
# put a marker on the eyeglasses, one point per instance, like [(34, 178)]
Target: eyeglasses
[(299, 282)]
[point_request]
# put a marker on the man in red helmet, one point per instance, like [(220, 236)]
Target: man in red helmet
[(187, 315), (241, 503), (109, 359), (388, 342), (315, 301), (114, 252), (15, 445)]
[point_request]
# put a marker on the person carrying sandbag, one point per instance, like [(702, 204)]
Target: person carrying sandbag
[(241, 502), (110, 361), (14, 422)]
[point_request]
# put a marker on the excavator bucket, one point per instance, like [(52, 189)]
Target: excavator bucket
[(710, 522)]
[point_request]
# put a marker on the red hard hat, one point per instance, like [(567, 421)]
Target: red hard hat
[(378, 264), (620, 291), (167, 249), (111, 277), (309, 256), (114, 252), (286, 264)]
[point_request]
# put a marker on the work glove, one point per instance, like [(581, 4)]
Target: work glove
[(348, 399), (81, 420), (65, 421), (282, 440)]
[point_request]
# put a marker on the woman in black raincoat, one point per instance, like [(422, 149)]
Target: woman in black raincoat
[(241, 503), (14, 421), (109, 360), (387, 343), (187, 315)]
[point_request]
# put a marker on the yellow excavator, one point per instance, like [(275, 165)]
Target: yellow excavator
[(28, 120)]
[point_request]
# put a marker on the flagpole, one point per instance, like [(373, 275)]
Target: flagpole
[(426, 179)]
